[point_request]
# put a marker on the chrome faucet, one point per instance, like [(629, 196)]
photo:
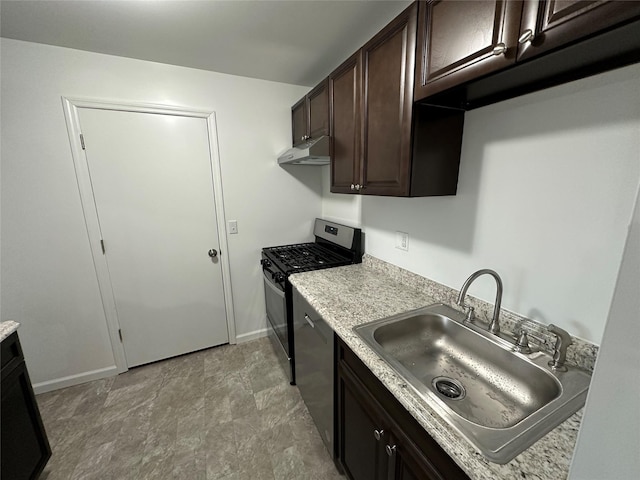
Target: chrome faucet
[(494, 326)]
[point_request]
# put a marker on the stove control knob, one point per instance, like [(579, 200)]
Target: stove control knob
[(265, 262), (278, 277)]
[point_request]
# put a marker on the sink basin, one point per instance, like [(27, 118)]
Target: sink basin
[(500, 400)]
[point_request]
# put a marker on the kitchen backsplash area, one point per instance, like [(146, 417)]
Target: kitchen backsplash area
[(581, 353)]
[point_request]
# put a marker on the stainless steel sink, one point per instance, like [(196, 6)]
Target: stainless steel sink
[(500, 400)]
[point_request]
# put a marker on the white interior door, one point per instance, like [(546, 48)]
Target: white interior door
[(152, 185)]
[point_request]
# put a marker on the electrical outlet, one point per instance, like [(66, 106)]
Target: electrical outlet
[(233, 227), (402, 241)]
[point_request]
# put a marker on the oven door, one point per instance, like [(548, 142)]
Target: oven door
[(275, 300)]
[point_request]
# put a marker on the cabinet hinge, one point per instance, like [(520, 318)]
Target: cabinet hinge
[(82, 141), (120, 334), (102, 246)]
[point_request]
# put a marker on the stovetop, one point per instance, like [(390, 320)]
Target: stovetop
[(303, 257)]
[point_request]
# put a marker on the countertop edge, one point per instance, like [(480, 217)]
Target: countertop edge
[(549, 457), (7, 328)]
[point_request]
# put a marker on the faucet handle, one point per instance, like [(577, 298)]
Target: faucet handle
[(469, 311), (522, 343), (563, 340)]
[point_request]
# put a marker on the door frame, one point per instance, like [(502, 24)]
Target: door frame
[(90, 212)]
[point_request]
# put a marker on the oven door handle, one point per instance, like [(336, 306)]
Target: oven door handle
[(275, 289)]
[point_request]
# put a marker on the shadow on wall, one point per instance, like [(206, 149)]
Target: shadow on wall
[(508, 128), (309, 176)]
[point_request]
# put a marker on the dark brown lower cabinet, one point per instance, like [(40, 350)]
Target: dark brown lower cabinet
[(377, 438), (24, 449)]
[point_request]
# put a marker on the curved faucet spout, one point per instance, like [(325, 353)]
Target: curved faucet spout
[(494, 326)]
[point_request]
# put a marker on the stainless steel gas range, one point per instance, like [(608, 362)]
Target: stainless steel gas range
[(335, 245)]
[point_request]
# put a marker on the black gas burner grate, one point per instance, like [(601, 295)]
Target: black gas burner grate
[(305, 256)]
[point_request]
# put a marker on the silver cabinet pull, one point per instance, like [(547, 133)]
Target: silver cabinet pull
[(526, 36), (213, 253), (391, 450), (499, 49), (378, 434), (309, 321)]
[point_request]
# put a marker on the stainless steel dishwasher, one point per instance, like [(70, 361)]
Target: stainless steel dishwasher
[(314, 346)]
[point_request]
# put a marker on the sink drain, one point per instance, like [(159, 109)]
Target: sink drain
[(449, 388)]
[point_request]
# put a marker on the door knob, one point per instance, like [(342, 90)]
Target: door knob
[(213, 253)]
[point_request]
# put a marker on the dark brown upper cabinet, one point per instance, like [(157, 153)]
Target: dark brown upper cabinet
[(381, 143), (549, 24), (388, 62), (345, 95), (473, 53), (310, 115), (462, 40)]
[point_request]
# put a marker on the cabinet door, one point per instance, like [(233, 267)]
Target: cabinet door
[(406, 462), (459, 41), (389, 65), (25, 448), (345, 86), (299, 122), (318, 107), (549, 24), (361, 453)]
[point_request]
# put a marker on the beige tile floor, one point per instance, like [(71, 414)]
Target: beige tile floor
[(223, 413)]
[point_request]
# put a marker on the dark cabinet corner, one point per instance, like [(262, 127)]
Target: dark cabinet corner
[(25, 447), (437, 147)]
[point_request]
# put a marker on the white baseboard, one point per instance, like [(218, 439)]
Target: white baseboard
[(72, 380), (247, 337)]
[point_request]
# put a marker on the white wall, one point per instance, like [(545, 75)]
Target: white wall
[(48, 278), (545, 194), (609, 438)]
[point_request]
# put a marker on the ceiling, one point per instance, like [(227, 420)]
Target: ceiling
[(291, 41)]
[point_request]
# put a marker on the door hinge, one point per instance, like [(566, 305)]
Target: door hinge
[(120, 334), (102, 246), (82, 141)]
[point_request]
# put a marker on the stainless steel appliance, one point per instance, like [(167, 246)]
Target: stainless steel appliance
[(314, 152), (334, 245), (314, 341)]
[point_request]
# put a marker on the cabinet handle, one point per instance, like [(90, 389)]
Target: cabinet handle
[(378, 434), (527, 36), (309, 321), (499, 49), (391, 450)]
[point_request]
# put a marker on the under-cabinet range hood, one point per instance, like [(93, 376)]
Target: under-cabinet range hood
[(313, 152)]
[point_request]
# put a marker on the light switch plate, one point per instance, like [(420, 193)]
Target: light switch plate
[(233, 227)]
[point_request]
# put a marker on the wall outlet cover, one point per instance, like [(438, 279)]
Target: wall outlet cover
[(402, 241)]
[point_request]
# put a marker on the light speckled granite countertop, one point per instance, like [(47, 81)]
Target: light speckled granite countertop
[(356, 294), (7, 328)]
